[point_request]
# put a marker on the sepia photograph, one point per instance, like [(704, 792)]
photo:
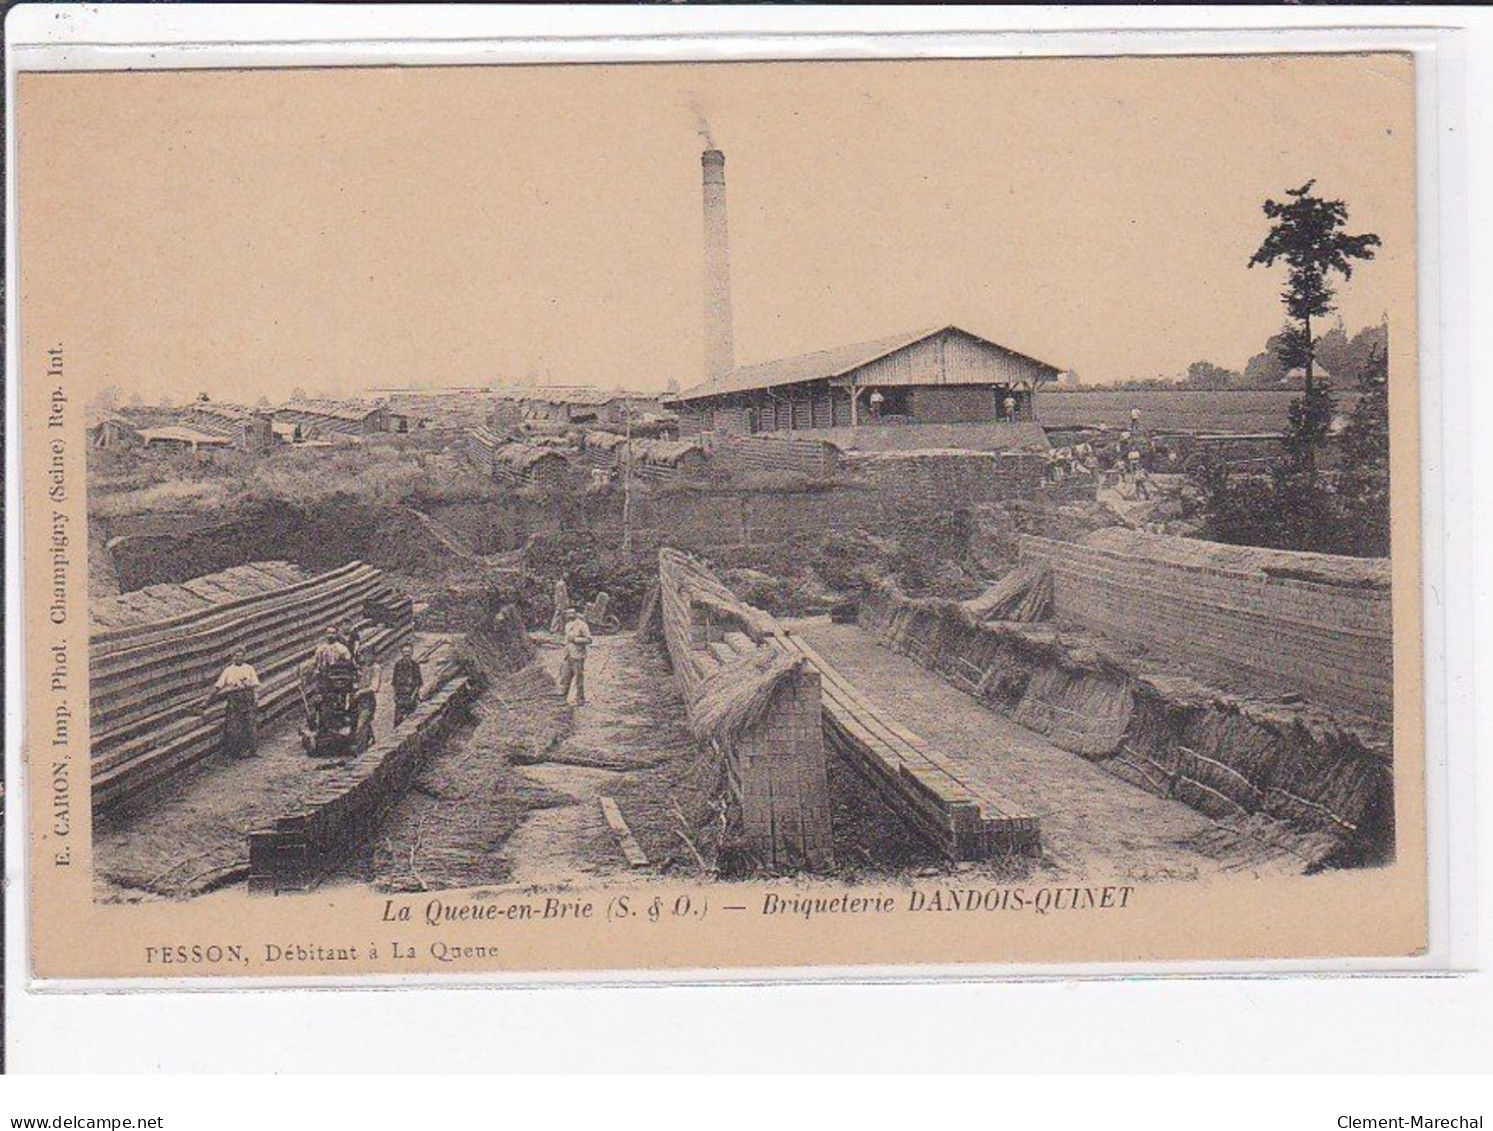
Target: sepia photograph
[(857, 513)]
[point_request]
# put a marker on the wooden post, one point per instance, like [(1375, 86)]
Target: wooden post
[(627, 488)]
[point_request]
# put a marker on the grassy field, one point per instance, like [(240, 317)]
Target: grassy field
[(1247, 411)]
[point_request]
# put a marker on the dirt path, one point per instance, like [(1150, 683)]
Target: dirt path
[(613, 735), (1093, 823), (195, 837), (518, 800), (559, 845)]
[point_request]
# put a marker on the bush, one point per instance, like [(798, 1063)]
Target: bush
[(588, 567), (385, 470), (849, 561)]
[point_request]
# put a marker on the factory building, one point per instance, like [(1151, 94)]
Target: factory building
[(940, 375)]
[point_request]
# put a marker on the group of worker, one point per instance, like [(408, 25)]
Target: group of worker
[(340, 663), (1124, 461)]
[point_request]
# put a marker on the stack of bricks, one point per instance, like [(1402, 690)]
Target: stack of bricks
[(918, 782), (782, 781), (147, 679), (1226, 755), (813, 458), (776, 768), (952, 479), (1329, 642), (348, 806)]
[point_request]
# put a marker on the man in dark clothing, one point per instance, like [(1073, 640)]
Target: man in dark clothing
[(407, 681), (365, 697)]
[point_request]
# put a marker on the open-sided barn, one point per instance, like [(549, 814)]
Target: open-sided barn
[(668, 459), (180, 438), (941, 375), (107, 430)]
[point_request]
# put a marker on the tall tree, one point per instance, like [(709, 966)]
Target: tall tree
[(1306, 232), (1363, 487)]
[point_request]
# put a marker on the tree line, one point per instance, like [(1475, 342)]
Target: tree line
[(1347, 358)]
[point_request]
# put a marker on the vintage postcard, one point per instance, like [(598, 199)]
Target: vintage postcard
[(672, 518)]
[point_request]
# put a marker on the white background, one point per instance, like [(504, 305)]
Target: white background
[(1341, 1024)]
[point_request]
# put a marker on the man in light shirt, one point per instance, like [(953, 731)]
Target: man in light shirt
[(573, 666), (331, 652), (239, 688)]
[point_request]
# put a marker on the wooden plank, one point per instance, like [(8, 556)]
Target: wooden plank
[(740, 643), (916, 751), (631, 849)]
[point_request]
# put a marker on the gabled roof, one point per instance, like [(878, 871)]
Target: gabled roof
[(182, 434), (579, 395), (336, 410), (221, 408), (517, 454), (827, 363)]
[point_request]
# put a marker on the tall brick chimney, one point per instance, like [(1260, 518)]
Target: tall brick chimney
[(720, 352)]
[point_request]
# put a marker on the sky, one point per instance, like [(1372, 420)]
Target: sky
[(248, 233)]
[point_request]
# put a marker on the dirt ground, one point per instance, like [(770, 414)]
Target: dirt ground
[(194, 837), (1093, 823), (515, 799), (452, 829), (518, 799)]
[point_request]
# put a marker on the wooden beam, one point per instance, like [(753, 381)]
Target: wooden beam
[(631, 849)]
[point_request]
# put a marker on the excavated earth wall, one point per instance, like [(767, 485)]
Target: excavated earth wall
[(1287, 769)]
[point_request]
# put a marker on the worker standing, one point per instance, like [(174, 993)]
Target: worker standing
[(408, 679), (239, 687), (349, 635), (331, 652), (573, 666), (1135, 420), (562, 602), (331, 656), (1010, 406), (1136, 473), (365, 697)]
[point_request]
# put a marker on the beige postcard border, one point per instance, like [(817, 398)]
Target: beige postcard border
[(1244, 921)]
